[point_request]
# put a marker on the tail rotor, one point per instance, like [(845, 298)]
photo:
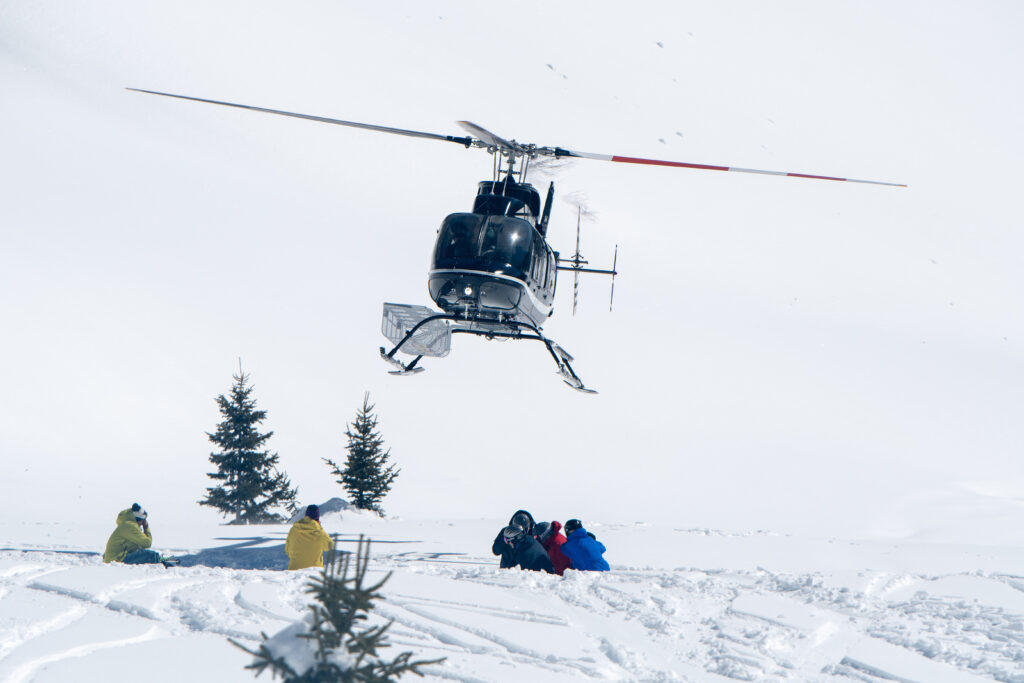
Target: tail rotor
[(576, 262)]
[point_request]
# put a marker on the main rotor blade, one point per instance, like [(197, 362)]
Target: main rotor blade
[(468, 142), (486, 135), (559, 152)]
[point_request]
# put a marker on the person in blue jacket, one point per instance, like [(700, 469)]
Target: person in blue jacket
[(583, 549)]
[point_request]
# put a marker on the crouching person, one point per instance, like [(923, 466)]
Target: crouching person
[(130, 543), (527, 552), (501, 547), (307, 541), (549, 534), (583, 549)]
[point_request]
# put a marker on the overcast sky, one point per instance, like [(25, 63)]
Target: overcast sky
[(783, 353)]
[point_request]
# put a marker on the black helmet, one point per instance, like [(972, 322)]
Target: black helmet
[(543, 531), (513, 533), (572, 525), (524, 519)]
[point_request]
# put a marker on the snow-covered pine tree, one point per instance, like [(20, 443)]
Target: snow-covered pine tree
[(252, 486), (338, 649), (367, 476)]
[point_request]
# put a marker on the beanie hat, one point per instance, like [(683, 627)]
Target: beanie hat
[(313, 512), (140, 514), (572, 525)]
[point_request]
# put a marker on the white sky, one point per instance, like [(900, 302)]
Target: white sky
[(783, 353)]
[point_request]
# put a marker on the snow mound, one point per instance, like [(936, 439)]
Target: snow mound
[(332, 505)]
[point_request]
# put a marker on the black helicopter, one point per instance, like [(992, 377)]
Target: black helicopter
[(493, 273)]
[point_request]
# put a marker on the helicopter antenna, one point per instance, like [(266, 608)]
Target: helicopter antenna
[(576, 262), (611, 298), (578, 258), (542, 226)]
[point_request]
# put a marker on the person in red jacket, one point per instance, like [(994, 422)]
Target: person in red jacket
[(550, 536)]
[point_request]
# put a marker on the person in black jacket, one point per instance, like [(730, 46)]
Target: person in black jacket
[(521, 518), (527, 552)]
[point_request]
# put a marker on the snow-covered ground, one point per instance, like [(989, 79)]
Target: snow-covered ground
[(679, 605)]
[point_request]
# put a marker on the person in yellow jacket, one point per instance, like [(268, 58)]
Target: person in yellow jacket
[(131, 539), (307, 541)]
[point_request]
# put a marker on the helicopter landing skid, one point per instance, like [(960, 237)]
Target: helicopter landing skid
[(403, 369), (582, 389), (563, 359), (490, 329)]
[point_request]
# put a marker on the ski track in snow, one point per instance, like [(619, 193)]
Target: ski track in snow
[(682, 624), (693, 613)]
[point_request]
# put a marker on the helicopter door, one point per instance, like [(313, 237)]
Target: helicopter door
[(540, 263)]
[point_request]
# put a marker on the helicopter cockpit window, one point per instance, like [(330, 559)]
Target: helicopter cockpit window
[(458, 239), (496, 242), (489, 239), (540, 263), (514, 243)]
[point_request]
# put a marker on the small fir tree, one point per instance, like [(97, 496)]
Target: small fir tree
[(251, 485), (366, 475), (339, 649)]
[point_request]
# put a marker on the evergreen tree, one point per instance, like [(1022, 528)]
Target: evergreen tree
[(338, 650), (366, 475), (251, 484)]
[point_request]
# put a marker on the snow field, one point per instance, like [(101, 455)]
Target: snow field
[(736, 611)]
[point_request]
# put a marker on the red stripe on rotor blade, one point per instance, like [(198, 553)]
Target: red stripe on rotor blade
[(815, 177), (680, 164)]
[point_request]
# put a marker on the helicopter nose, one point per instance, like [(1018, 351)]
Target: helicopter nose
[(459, 294)]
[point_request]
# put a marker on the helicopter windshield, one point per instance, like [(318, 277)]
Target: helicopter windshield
[(492, 243), (458, 238)]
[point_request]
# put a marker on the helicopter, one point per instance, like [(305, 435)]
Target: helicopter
[(493, 272)]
